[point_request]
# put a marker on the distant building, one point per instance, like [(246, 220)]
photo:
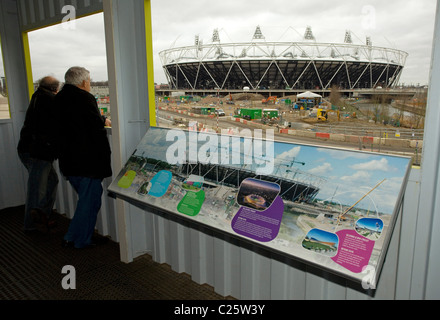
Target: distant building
[(100, 91)]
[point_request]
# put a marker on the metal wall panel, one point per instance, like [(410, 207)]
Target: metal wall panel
[(12, 172), (13, 175), (430, 189), (35, 14), (408, 235)]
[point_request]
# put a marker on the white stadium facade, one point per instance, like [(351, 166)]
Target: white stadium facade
[(296, 66)]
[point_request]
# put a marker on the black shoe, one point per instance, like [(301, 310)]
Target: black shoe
[(67, 244)]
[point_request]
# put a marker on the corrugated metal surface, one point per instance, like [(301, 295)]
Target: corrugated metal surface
[(11, 190), (35, 14)]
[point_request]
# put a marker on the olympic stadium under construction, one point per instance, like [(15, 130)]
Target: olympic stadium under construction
[(263, 65), (301, 187), (290, 190)]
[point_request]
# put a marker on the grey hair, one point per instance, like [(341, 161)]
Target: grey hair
[(76, 75), (49, 83)]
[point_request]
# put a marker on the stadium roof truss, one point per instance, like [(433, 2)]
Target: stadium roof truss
[(295, 186), (281, 65)]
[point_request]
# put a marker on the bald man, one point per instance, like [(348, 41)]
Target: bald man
[(37, 150)]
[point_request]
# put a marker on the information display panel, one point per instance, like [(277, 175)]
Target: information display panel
[(331, 208)]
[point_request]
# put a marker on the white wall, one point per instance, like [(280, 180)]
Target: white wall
[(12, 172)]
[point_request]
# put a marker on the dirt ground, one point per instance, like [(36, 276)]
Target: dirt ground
[(349, 117)]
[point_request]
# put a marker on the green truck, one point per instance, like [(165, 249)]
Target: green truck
[(251, 114)]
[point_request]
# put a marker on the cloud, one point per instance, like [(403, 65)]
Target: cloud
[(341, 155), (56, 48), (323, 169), (373, 165), (408, 27), (328, 19), (356, 177), (288, 155)]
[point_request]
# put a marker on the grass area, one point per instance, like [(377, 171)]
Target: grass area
[(310, 245)]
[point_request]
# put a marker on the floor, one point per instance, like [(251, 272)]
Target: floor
[(31, 268)]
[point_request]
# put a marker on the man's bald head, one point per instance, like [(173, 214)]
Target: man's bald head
[(49, 83)]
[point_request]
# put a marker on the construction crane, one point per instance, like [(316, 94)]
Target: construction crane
[(288, 166), (341, 216)]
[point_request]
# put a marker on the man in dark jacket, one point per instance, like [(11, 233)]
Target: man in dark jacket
[(85, 156), (37, 151)]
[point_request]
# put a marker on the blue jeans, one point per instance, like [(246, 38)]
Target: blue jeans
[(82, 226), (41, 187)]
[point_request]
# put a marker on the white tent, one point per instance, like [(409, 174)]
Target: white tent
[(308, 94)]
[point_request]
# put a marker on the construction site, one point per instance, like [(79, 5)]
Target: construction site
[(376, 124), (308, 111)]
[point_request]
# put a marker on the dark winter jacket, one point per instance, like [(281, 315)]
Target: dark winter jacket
[(84, 146), (39, 132)]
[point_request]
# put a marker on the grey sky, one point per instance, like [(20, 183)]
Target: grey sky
[(404, 25)]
